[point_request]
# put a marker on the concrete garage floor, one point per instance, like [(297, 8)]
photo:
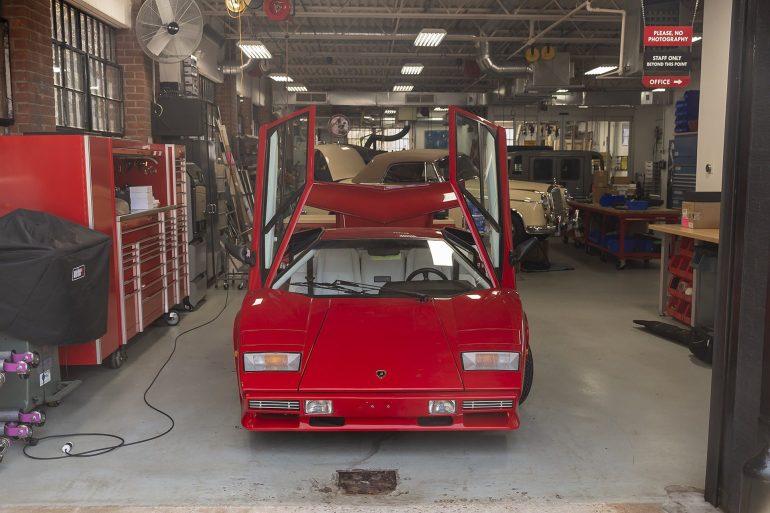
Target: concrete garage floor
[(615, 416)]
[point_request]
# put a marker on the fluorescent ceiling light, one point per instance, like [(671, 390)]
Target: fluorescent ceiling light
[(582, 106), (562, 90), (280, 77), (403, 88), (296, 88), (695, 39), (429, 37), (413, 68), (658, 90), (601, 70), (390, 111), (436, 119), (255, 49), (441, 109)]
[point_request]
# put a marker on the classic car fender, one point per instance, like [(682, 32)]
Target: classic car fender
[(530, 209)]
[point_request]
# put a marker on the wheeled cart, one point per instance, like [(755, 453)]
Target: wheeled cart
[(619, 232), (77, 178)]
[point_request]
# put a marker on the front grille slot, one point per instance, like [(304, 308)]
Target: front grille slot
[(444, 420), (327, 421), (482, 404), (256, 404), (557, 202)]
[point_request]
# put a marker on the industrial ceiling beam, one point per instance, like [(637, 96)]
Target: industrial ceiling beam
[(336, 36), (351, 13)]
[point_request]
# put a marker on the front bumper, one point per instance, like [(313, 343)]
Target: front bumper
[(540, 230), (382, 412)]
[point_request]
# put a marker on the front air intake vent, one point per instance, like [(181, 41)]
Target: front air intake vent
[(310, 98), (504, 404), (255, 404), (422, 99)]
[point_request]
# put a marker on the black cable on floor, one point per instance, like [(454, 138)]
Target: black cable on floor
[(121, 442)]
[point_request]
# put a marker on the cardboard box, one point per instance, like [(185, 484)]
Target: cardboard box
[(701, 210), (598, 192), (601, 178)]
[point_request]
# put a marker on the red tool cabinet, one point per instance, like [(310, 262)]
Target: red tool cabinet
[(75, 177)]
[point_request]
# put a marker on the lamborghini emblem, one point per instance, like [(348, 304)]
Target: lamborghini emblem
[(381, 374)]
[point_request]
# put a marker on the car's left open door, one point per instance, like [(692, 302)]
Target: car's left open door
[(284, 178), (478, 173)]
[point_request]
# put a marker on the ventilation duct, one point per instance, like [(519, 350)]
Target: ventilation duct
[(487, 65), (233, 69), (387, 138)]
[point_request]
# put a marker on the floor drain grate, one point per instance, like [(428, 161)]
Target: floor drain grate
[(367, 482)]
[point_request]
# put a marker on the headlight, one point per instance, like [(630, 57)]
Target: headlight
[(318, 407), (276, 362), (491, 360), (441, 407)]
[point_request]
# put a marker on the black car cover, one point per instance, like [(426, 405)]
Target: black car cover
[(54, 279)]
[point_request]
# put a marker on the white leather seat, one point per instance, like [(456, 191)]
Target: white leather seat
[(378, 270), (418, 258), (336, 264)]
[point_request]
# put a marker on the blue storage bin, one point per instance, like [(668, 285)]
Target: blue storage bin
[(637, 205), (609, 200), (613, 244)]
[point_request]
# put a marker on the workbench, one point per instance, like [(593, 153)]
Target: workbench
[(678, 271), (599, 220)]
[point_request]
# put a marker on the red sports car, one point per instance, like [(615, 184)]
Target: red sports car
[(386, 322)]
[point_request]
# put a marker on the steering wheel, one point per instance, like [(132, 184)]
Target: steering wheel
[(425, 271)]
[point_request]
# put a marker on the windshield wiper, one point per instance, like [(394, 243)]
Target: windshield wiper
[(329, 286), (422, 297)]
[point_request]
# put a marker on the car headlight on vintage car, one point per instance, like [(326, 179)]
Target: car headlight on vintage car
[(271, 362), (491, 360), (441, 407), (318, 407)]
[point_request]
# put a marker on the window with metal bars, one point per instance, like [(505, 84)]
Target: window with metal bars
[(87, 79)]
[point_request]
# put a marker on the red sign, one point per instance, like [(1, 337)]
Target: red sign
[(653, 82), (674, 35)]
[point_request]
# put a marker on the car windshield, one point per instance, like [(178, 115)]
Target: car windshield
[(466, 169), (403, 267)]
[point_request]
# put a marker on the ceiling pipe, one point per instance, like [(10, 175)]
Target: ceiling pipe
[(232, 69), (550, 27), (536, 15), (621, 57), (488, 65)]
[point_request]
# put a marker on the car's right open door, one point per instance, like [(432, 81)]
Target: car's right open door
[(477, 171)]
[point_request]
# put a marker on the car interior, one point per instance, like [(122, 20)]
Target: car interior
[(381, 267)]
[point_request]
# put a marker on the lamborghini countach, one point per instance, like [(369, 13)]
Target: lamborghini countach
[(384, 322)]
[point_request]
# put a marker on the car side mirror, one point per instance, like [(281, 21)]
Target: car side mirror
[(242, 254), (518, 254)]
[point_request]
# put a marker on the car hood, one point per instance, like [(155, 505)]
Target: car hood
[(528, 186), (346, 341), (363, 346)]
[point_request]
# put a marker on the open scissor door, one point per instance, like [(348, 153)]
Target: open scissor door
[(284, 178), (477, 171)]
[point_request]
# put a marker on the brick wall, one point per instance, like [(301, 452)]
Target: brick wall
[(31, 64), (137, 83), (226, 98), (246, 115)]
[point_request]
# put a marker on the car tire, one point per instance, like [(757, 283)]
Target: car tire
[(529, 375), (519, 235)]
